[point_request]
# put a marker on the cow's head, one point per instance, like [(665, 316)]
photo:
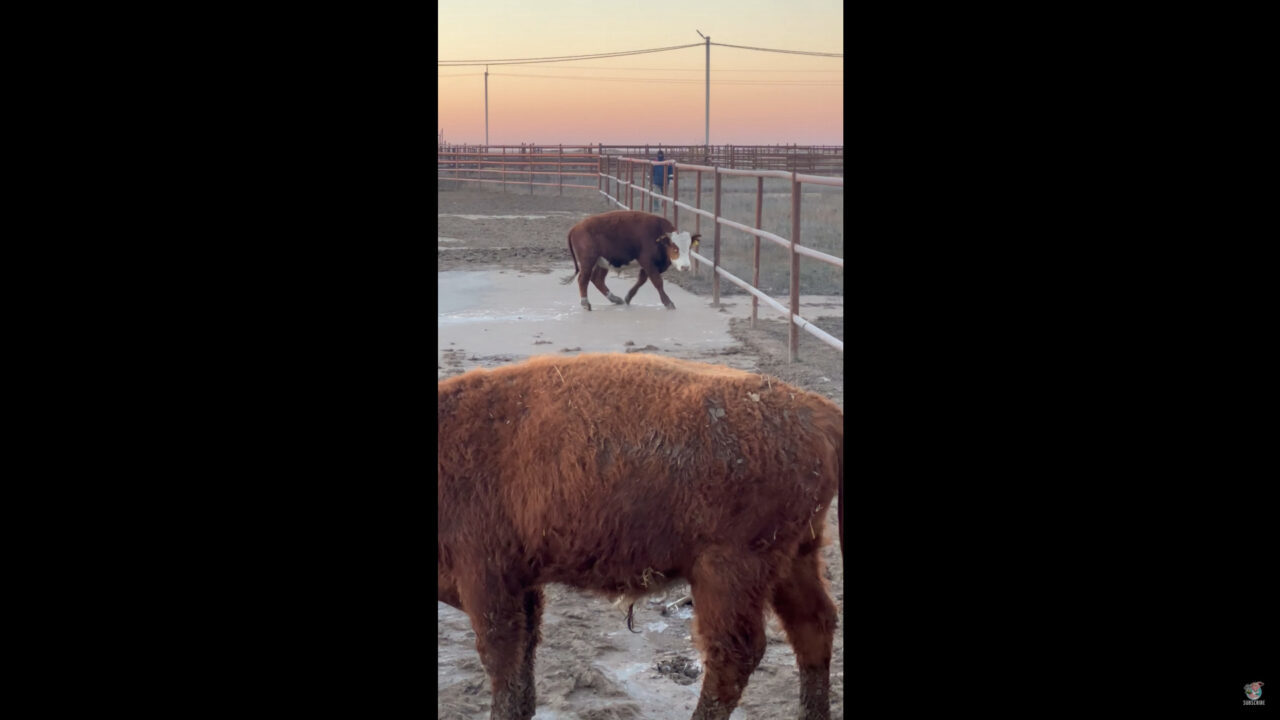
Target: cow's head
[(678, 246)]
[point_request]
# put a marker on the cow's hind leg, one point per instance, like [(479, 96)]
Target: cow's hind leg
[(802, 604), (597, 277), (729, 590), (584, 277), (644, 275), (501, 621), (533, 601)]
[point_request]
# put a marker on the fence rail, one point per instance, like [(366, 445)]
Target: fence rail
[(522, 169), (623, 192), (818, 160)]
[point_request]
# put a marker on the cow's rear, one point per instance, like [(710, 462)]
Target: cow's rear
[(621, 474)]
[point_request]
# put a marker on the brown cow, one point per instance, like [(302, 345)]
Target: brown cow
[(620, 473), (621, 237)]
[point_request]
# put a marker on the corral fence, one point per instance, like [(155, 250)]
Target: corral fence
[(623, 190), (558, 166), (564, 166)]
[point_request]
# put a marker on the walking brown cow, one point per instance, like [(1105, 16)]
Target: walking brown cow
[(620, 238), (621, 473)]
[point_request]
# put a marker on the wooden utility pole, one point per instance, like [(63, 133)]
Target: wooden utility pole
[(706, 138)]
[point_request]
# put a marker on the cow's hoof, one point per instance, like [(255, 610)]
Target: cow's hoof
[(615, 299), (670, 306), (586, 304)]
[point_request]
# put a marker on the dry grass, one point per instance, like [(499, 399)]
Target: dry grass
[(821, 228)]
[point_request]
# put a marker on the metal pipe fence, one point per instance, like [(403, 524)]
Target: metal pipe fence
[(545, 167), (820, 160), (623, 193)]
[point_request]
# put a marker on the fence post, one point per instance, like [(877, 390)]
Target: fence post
[(599, 176), (503, 164), (647, 182), (672, 166), (530, 166), (793, 340), (715, 260), (755, 277), (560, 169), (675, 195), (697, 218)]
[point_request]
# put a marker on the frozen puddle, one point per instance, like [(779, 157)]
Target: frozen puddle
[(515, 314), (496, 217), (546, 214)]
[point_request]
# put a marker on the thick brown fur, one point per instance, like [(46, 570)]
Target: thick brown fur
[(621, 237), (621, 473)]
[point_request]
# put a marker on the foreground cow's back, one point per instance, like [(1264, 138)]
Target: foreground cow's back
[(621, 473)]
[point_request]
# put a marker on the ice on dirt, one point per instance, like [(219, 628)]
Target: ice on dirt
[(496, 217)]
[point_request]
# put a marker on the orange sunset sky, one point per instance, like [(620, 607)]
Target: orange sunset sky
[(756, 97)]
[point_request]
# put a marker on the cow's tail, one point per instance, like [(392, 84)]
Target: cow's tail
[(567, 280)]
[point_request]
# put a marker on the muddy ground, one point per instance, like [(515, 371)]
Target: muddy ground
[(588, 665)]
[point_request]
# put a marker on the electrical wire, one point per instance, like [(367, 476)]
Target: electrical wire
[(697, 69), (788, 52), (559, 58), (669, 81)]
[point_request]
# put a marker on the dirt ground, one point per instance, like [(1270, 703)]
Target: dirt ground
[(589, 665)]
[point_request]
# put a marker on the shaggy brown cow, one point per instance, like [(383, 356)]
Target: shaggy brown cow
[(621, 237), (621, 473)]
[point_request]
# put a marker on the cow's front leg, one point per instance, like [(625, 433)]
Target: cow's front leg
[(632, 292), (656, 278)]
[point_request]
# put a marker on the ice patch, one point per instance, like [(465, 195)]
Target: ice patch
[(495, 217), (656, 626), (468, 248), (520, 315)]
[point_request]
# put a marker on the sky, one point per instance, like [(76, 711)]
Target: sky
[(756, 97)]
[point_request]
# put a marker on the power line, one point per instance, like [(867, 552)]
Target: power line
[(621, 53), (671, 81), (698, 70), (559, 58), (789, 52)]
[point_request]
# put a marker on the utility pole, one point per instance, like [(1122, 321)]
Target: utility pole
[(707, 138), (486, 108)]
